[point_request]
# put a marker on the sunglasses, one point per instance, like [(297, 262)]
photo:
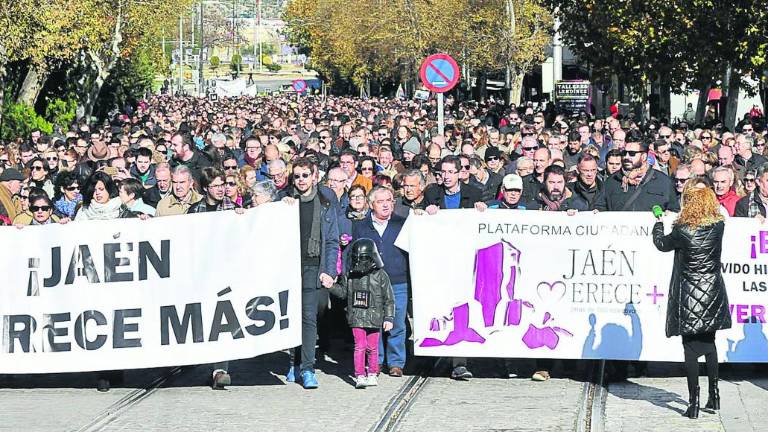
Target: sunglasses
[(52, 158), (664, 136), (366, 169), (301, 176), (680, 180), (706, 137), (491, 158), (230, 167), (466, 167), (72, 188), (4, 161), (38, 168), (230, 184), (749, 180), (631, 153), (530, 148), (40, 208)]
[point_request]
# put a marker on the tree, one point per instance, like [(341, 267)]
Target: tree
[(671, 43), (362, 40)]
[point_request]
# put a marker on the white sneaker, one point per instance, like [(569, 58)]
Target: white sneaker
[(361, 382), (372, 380)]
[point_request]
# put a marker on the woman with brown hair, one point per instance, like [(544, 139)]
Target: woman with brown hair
[(698, 302)]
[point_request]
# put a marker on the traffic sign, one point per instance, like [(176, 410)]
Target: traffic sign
[(299, 85), (439, 73)]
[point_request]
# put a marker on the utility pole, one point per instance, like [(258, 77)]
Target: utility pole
[(259, 33), (201, 78), (181, 53)]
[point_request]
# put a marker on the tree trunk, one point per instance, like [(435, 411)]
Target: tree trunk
[(33, 83), (104, 63), (701, 104), (729, 117), (664, 99), (3, 60), (516, 89)]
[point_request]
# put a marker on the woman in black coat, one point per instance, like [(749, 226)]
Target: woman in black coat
[(698, 303)]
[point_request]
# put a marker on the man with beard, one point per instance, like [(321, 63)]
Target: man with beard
[(319, 246), (587, 184), (572, 150), (185, 153), (636, 187), (554, 196)]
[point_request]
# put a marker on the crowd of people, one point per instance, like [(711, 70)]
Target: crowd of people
[(357, 169)]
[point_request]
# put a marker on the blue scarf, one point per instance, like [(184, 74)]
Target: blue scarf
[(67, 208)]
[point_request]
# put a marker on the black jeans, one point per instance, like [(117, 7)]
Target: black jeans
[(309, 294)]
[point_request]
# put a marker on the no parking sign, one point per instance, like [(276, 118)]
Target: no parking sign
[(439, 73), (299, 86)]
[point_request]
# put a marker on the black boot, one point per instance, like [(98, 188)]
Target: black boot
[(713, 403), (693, 405)]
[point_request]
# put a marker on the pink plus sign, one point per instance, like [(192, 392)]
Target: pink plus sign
[(655, 294)]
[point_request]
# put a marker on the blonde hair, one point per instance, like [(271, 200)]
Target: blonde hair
[(699, 206)]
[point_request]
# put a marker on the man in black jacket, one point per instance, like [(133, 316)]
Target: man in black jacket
[(587, 184), (452, 194), (185, 153), (636, 187), (554, 196)]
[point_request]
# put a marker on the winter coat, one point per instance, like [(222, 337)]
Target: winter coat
[(697, 302), (657, 189), (381, 305)]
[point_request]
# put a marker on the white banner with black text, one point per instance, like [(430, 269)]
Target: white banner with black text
[(530, 284), (124, 294)]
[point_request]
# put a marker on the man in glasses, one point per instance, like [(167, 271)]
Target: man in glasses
[(682, 174), (494, 162), (319, 245), (636, 187), (452, 194), (480, 177), (754, 205), (666, 162)]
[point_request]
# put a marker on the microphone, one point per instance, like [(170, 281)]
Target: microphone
[(657, 212)]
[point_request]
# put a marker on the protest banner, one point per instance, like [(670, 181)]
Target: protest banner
[(533, 284), (127, 293)]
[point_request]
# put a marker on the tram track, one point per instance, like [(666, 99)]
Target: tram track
[(119, 407), (400, 403)]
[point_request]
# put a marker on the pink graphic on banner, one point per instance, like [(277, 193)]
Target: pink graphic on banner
[(461, 331), (490, 265), (536, 337)]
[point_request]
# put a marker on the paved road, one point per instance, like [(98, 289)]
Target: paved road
[(500, 398)]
